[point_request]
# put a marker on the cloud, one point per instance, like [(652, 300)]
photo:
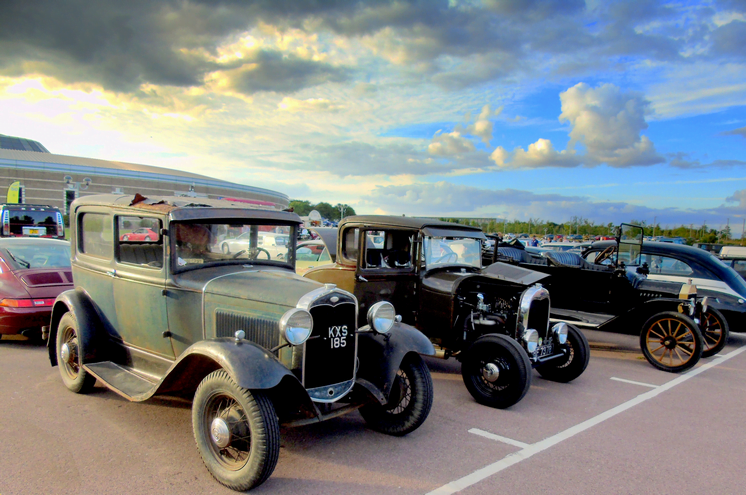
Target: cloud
[(741, 131), (738, 197), (450, 144), (482, 126), (311, 105), (539, 154), (728, 40)]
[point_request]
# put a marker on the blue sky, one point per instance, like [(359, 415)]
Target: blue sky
[(548, 109)]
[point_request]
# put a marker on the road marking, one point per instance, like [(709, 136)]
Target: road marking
[(633, 382), (531, 450), (492, 436)]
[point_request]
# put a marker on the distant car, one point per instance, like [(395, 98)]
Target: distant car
[(142, 235), (27, 220), (310, 254), (686, 264), (566, 246), (33, 272), (270, 245), (734, 257)]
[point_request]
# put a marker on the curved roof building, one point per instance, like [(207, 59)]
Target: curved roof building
[(57, 180)]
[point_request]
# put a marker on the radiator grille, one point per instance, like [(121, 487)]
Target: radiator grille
[(265, 333)]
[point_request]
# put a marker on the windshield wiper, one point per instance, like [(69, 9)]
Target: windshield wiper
[(21, 261)]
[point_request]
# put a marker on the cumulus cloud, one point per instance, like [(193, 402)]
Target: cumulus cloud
[(539, 154), (738, 197), (482, 126), (450, 144)]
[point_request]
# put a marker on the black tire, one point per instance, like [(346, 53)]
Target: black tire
[(74, 376), (567, 369), (251, 427), (226, 249), (409, 403), (715, 331), (499, 353), (671, 342)]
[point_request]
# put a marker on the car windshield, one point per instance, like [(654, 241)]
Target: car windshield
[(41, 255), (442, 251), (199, 244)]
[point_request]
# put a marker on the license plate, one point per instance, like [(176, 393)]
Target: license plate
[(544, 350), (28, 231)]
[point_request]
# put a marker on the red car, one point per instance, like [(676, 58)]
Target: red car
[(33, 271), (143, 234)]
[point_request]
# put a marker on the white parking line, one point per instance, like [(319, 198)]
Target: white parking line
[(634, 382), (530, 450), (492, 436)]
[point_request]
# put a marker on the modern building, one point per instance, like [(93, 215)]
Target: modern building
[(56, 180)]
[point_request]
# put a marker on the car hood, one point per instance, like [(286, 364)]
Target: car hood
[(448, 280), (279, 287)]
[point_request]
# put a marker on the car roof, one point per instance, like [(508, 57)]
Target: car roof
[(404, 222), (6, 242), (186, 208)]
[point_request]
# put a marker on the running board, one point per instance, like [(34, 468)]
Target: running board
[(121, 380)]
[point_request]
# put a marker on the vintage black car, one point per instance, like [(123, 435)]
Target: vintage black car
[(494, 320), (609, 295), (250, 342)]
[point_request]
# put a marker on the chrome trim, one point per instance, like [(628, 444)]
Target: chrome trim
[(331, 393), (284, 325), (372, 316), (559, 332), (533, 293)]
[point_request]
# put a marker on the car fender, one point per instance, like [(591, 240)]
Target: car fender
[(249, 365), (90, 327), (381, 355), (632, 321)]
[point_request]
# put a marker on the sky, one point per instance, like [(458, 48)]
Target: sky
[(517, 109)]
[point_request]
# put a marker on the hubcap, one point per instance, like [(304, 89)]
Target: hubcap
[(68, 352), (669, 342), (220, 433), (491, 372)]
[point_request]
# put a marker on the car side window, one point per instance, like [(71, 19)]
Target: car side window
[(350, 244), (388, 249), (665, 265), (139, 241), (96, 236)]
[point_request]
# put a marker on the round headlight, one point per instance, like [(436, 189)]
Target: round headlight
[(560, 332), (381, 316), (296, 326), (531, 337)]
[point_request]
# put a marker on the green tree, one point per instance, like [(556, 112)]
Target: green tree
[(301, 207)]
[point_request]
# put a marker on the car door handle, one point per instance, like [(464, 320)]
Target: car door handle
[(112, 273), (360, 278)]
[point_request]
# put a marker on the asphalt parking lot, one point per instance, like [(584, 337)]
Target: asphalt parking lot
[(622, 427)]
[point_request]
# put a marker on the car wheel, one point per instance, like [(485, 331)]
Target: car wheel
[(496, 371), (236, 430), (714, 330), (671, 342), (225, 248), (69, 356), (147, 238), (574, 364), (409, 403), (125, 238)]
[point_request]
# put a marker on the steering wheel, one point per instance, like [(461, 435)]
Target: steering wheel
[(256, 256), (604, 255), (447, 258)]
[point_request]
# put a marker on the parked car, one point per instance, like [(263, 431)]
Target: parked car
[(687, 264), (611, 292), (734, 257), (29, 220), (142, 235), (494, 320), (310, 254), (32, 273), (271, 245), (252, 343)]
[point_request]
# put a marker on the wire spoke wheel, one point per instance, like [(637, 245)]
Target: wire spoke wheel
[(409, 402), (714, 330), (671, 342), (236, 431)]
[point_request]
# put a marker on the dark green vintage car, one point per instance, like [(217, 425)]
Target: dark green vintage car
[(250, 342)]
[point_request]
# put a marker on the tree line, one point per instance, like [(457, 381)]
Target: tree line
[(326, 210)]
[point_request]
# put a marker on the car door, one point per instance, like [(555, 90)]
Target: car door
[(138, 290)]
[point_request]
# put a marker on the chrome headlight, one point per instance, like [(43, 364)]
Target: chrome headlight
[(296, 326), (560, 332), (381, 316), (705, 304), (531, 338)]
